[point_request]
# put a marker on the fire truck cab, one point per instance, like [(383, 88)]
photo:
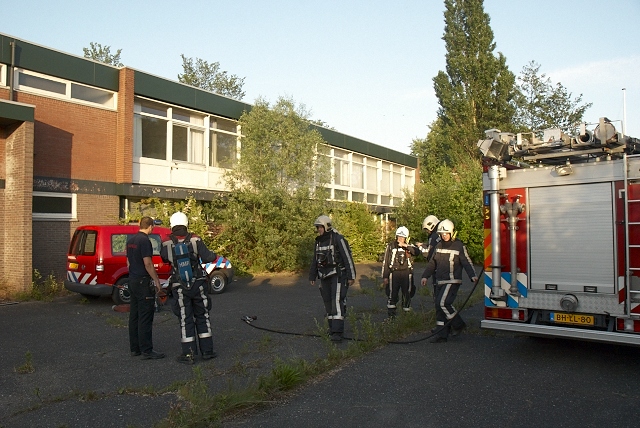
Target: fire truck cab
[(562, 234)]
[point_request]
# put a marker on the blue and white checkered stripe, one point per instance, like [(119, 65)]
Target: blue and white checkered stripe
[(86, 278), (505, 284)]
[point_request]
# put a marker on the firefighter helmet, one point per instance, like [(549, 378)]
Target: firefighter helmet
[(445, 226), (179, 219), (430, 222), (323, 221), (403, 231)]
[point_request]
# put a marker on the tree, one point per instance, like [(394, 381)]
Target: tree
[(207, 76), (477, 89), (103, 54), (542, 105), (267, 217)]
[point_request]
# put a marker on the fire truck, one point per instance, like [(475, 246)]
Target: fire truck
[(562, 233)]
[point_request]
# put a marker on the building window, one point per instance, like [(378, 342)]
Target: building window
[(340, 167), (29, 81), (357, 171), (3, 75), (223, 138), (54, 206)]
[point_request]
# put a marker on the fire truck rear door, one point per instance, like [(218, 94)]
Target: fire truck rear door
[(571, 232)]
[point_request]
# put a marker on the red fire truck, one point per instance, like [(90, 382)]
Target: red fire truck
[(562, 233)]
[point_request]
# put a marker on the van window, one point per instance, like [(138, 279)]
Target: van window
[(119, 243), (75, 242), (89, 244)]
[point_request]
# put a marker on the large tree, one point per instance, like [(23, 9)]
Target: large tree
[(541, 104), (477, 89), (267, 216), (208, 76), (101, 53)]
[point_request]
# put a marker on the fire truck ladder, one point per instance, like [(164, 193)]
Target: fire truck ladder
[(632, 233)]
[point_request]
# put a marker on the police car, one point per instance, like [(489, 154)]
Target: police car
[(97, 262)]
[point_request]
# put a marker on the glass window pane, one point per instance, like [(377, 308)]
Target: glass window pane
[(372, 179), (340, 195), (356, 158), (197, 147), (385, 200), (89, 243), (357, 197), (385, 188), (153, 108), (119, 244), (225, 150), (357, 176), (92, 95), (397, 184), (42, 83), (224, 124), (372, 199), (182, 115), (154, 138), (179, 147), (52, 204)]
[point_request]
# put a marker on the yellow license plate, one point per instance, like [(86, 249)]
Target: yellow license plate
[(579, 319), (73, 265)]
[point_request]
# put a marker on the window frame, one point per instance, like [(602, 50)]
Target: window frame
[(72, 216), (68, 85)]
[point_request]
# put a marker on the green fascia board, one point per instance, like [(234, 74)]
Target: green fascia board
[(158, 88), (18, 112), (347, 142), (54, 63)]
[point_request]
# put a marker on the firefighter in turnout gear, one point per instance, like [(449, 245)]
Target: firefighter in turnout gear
[(189, 287), (430, 226), (333, 265), (449, 258), (397, 271)]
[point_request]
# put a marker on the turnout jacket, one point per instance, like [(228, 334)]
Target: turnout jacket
[(332, 255), (397, 258), (449, 257), (195, 245)]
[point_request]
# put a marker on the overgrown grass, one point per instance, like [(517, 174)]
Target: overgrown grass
[(42, 288), (28, 366)]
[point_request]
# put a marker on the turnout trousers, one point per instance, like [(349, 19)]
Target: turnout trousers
[(334, 295), (192, 308), (399, 281), (443, 298), (142, 307)]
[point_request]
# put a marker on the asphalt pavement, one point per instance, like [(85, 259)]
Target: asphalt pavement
[(83, 375)]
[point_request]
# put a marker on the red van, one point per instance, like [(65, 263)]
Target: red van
[(97, 262)]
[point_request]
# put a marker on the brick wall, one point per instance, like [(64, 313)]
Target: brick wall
[(16, 268), (73, 140)]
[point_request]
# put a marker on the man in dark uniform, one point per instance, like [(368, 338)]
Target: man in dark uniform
[(191, 303), (397, 271), (449, 258), (143, 286), (333, 264)]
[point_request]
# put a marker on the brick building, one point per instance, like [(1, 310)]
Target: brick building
[(81, 140)]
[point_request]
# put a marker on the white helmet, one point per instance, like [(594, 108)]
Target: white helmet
[(402, 231), (179, 219), (445, 226), (323, 221), (430, 222)]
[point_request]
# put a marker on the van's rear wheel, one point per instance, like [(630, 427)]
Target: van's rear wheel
[(217, 282), (121, 294)]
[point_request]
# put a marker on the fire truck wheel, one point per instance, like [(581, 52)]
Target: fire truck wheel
[(121, 295), (217, 282)]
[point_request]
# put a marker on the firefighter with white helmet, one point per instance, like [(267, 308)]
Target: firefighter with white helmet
[(449, 258), (333, 265), (189, 286), (430, 226), (397, 271)]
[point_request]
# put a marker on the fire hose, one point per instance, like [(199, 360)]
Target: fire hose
[(250, 319)]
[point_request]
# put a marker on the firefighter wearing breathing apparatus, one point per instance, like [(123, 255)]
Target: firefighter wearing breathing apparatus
[(191, 304), (333, 265), (449, 258), (397, 271)]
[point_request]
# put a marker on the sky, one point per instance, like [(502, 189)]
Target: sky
[(364, 67)]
